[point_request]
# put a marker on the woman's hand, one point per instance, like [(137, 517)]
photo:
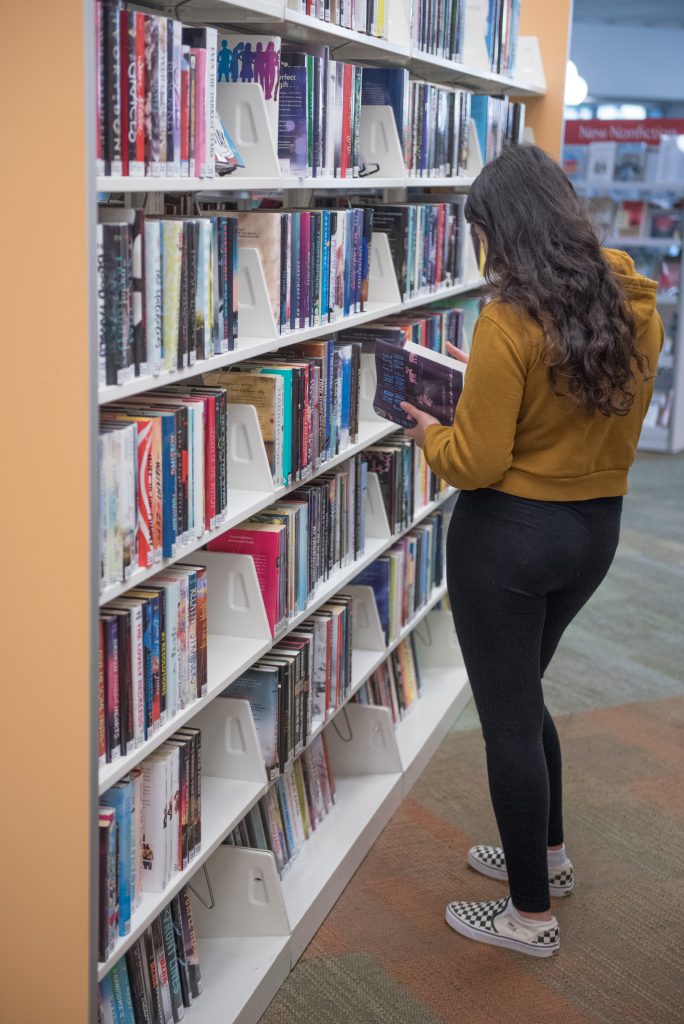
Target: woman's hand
[(423, 421), (456, 353)]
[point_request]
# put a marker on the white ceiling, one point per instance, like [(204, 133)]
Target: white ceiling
[(655, 13)]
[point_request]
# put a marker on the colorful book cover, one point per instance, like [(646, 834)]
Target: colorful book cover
[(120, 797), (377, 576), (292, 116)]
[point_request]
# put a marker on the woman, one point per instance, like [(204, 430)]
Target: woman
[(558, 383)]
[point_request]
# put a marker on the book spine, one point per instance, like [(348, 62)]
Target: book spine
[(184, 110), (210, 103), (162, 85), (112, 110), (200, 166)]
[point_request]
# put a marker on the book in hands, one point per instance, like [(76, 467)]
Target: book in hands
[(426, 379)]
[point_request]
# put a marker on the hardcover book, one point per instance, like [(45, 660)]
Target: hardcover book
[(426, 379)]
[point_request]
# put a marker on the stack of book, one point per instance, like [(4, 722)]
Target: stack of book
[(299, 541), (167, 292), (155, 96), (149, 828), (292, 809), (316, 262), (159, 975), (162, 476), (152, 657), (404, 577), (301, 680), (396, 684)]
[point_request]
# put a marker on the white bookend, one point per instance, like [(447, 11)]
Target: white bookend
[(361, 741), (367, 383), (242, 108), (248, 467), (379, 143), (249, 900), (474, 46), (399, 22), (368, 634), (236, 608), (475, 162), (377, 525), (382, 279), (254, 305), (529, 66), (230, 746)]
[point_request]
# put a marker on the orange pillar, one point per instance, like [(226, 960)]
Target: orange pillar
[(551, 23), (45, 454)]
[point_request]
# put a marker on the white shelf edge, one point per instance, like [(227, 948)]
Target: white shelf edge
[(218, 681), (419, 733), (369, 433), (635, 242), (248, 348), (215, 793), (228, 184), (241, 973)]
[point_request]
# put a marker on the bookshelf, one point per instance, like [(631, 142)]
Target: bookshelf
[(246, 947)]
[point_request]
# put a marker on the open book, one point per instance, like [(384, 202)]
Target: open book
[(430, 381)]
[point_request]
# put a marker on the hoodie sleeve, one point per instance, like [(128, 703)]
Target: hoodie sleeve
[(477, 449)]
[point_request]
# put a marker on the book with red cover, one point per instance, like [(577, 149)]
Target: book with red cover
[(263, 542)]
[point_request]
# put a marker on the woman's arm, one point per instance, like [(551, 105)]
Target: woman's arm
[(478, 449)]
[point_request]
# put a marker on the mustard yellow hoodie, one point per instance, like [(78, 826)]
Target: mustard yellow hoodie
[(511, 433)]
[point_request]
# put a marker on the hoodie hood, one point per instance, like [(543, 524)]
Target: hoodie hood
[(640, 291)]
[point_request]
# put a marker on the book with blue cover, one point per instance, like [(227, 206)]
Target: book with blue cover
[(387, 87), (120, 797), (260, 685), (377, 576)]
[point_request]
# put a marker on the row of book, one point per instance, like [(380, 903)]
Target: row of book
[(300, 681), (396, 684), (446, 320), (150, 827), (316, 262), (167, 292), (367, 16), (606, 162), (499, 121), (162, 475), (501, 34), (438, 27), (155, 95), (160, 976), (432, 121), (299, 541), (307, 402), (152, 657), (424, 242), (405, 576), (292, 809)]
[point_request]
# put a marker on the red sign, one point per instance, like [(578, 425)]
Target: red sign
[(579, 133)]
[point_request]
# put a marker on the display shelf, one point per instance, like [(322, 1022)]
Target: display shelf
[(224, 803), (219, 184), (662, 244), (240, 977), (244, 503), (229, 654), (449, 72), (630, 189)]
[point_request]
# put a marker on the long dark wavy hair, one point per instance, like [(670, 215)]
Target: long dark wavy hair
[(543, 257)]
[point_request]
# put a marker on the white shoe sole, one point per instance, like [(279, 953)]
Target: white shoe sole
[(502, 876), (491, 939)]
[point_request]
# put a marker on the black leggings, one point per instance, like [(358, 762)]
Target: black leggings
[(518, 571)]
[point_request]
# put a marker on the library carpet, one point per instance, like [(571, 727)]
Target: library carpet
[(385, 956)]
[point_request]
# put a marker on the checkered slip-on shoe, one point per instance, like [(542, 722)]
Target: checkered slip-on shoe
[(496, 924), (490, 861)]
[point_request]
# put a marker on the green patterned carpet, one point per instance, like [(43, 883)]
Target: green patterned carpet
[(616, 686)]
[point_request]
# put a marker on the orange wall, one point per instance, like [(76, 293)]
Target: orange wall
[(550, 22), (44, 518)]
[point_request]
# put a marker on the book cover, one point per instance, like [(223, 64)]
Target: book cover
[(261, 231), (190, 940), (260, 686), (630, 161), (429, 381), (292, 116), (250, 58), (601, 162)]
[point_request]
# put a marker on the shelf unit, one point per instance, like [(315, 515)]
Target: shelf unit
[(249, 945)]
